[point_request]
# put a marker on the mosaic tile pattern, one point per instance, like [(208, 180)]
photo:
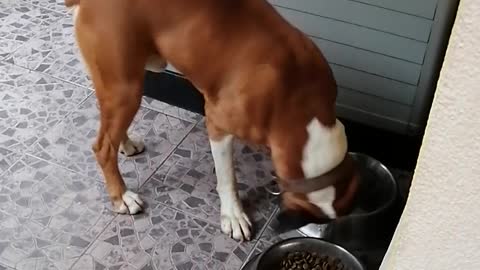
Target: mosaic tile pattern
[(69, 143), (186, 181), (48, 215), (7, 158), (54, 212), (269, 237), (164, 239), (55, 5), (20, 22), (31, 104), (3, 267), (54, 52), (163, 107)]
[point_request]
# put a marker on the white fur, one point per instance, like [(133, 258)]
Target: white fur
[(234, 221), (324, 150), (75, 13), (131, 148), (132, 204)]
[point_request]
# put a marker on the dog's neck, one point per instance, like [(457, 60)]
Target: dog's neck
[(309, 185), (325, 149)]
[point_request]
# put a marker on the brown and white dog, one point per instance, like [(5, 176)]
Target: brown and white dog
[(263, 81)]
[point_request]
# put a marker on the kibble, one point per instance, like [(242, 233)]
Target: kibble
[(310, 261)]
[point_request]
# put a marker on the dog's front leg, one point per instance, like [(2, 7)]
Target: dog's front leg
[(235, 221)]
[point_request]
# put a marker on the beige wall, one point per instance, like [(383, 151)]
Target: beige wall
[(440, 226)]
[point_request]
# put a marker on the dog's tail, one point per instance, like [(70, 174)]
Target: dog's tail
[(71, 3)]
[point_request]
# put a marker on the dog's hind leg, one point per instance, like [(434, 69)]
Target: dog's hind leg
[(116, 65), (234, 220)]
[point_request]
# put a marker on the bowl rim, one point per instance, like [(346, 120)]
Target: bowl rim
[(320, 240), (389, 203)]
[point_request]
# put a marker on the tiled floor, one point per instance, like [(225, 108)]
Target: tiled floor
[(54, 213)]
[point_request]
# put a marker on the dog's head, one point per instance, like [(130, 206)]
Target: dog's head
[(319, 183), (319, 199)]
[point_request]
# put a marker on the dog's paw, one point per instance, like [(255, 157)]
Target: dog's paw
[(236, 224), (130, 148), (130, 204)]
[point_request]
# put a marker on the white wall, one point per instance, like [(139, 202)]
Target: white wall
[(440, 226)]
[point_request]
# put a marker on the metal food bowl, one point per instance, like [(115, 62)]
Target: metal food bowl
[(373, 219), (273, 256)]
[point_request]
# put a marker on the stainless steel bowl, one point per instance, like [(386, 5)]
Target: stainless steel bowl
[(272, 257), (374, 217)]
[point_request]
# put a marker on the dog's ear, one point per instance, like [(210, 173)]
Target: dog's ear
[(346, 194)]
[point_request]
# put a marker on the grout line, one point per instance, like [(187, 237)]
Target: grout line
[(103, 229), (148, 106), (47, 8), (255, 241), (116, 215), (38, 33), (25, 151), (51, 9), (3, 60), (166, 158), (54, 76), (13, 163), (81, 173), (249, 256), (94, 240)]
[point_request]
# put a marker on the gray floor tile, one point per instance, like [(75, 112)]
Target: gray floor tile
[(171, 110), (56, 5), (54, 52), (163, 239), (270, 237), (69, 143), (7, 158), (20, 21), (31, 104), (3, 267), (48, 215), (186, 181)]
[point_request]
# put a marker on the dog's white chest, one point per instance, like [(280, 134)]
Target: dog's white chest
[(324, 150)]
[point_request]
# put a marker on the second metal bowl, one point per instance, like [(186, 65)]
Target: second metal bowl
[(272, 257)]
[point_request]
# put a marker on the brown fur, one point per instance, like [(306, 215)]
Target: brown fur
[(262, 79)]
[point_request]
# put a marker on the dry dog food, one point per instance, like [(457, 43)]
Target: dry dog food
[(310, 261)]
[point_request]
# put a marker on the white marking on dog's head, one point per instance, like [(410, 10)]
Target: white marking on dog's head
[(325, 148)]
